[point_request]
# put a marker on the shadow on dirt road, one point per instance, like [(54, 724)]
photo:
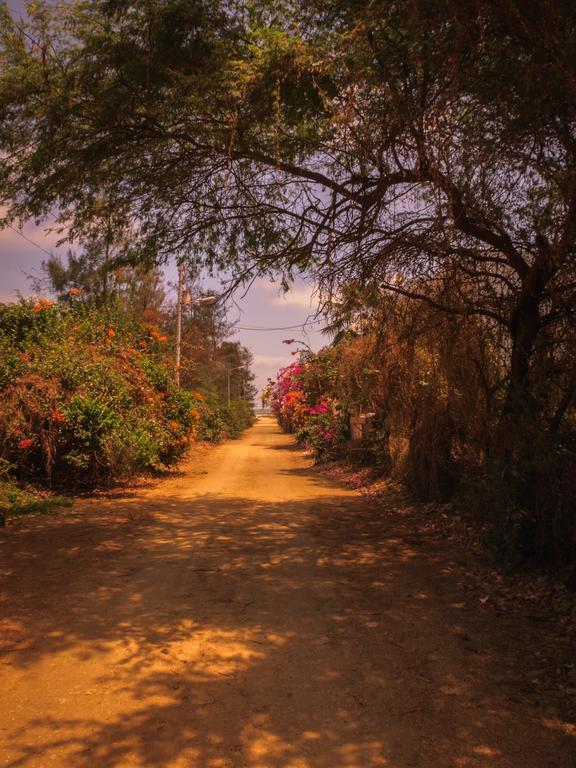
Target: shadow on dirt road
[(279, 624)]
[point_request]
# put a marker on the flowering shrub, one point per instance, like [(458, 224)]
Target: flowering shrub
[(88, 395), (324, 433), (316, 419)]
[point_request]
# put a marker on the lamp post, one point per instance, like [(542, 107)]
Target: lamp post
[(185, 298), (229, 371)]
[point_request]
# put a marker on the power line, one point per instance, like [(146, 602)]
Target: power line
[(281, 328), (25, 237), (301, 326)]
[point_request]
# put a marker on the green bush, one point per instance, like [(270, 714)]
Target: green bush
[(237, 417), (88, 396), (86, 399), (220, 421), (212, 427)]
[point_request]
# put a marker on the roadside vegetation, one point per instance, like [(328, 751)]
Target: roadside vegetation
[(88, 389), (422, 400), (16, 500)]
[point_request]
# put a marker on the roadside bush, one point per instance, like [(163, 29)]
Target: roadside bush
[(224, 421), (212, 426), (300, 407), (324, 433), (237, 417), (433, 391), (88, 395)]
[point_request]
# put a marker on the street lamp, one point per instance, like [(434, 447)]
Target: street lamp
[(185, 299)]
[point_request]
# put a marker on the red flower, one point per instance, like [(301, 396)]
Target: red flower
[(25, 444), (57, 416)]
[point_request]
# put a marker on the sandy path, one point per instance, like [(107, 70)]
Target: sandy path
[(256, 617)]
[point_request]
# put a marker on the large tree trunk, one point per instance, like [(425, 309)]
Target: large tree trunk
[(525, 324), (524, 328)]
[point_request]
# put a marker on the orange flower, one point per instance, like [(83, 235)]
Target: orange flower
[(74, 291), (111, 333), (37, 307), (174, 425), (163, 338)]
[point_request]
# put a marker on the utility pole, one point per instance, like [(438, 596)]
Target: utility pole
[(178, 351)]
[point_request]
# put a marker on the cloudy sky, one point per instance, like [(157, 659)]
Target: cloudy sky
[(264, 306)]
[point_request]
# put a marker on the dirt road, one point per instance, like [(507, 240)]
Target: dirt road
[(252, 616)]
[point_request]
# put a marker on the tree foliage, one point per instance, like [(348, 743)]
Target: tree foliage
[(427, 145)]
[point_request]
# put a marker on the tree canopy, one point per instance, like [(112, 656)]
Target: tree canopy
[(425, 145)]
